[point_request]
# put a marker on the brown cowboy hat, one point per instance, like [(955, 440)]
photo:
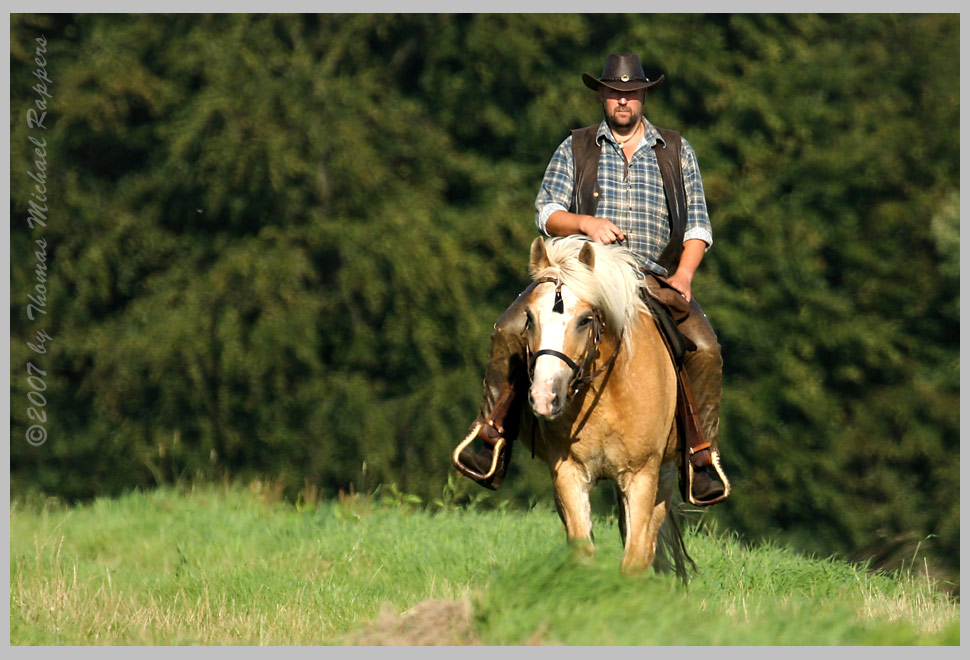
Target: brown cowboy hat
[(623, 73)]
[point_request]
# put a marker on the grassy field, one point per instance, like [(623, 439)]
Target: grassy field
[(236, 565)]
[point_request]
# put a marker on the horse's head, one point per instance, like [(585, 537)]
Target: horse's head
[(563, 334)]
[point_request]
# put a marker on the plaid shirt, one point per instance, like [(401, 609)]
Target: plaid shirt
[(631, 198)]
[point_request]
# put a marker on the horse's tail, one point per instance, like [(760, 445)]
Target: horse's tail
[(671, 554)]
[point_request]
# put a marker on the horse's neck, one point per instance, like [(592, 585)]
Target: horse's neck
[(634, 396), (642, 357)]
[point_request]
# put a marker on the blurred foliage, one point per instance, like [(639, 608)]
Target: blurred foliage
[(278, 243)]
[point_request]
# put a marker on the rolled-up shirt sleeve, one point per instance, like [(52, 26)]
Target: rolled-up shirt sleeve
[(698, 221), (556, 191)]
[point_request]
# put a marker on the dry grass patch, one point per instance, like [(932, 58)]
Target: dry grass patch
[(429, 623)]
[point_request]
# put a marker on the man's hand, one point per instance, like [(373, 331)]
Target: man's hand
[(563, 223), (600, 230), (680, 281), (690, 259)]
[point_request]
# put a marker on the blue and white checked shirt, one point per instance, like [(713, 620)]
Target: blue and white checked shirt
[(631, 198)]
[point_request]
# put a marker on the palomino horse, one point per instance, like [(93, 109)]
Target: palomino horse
[(603, 392)]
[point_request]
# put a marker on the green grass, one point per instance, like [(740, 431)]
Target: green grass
[(237, 566)]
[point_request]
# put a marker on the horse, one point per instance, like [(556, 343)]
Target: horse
[(603, 394)]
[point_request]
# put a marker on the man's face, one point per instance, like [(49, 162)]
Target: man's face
[(623, 109)]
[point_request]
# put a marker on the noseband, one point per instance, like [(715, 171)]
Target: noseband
[(582, 375)]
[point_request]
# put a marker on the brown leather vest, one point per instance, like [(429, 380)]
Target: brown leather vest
[(586, 189)]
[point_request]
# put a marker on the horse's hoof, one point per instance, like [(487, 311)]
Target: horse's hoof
[(583, 550), (633, 569)]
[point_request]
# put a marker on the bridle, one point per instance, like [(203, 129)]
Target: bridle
[(582, 375)]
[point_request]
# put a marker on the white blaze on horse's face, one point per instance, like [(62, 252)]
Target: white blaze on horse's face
[(564, 332)]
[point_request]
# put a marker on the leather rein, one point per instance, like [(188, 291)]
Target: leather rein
[(582, 375)]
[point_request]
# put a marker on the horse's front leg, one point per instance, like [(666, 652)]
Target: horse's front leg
[(643, 519), (572, 485)]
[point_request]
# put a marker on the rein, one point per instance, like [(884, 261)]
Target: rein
[(582, 376)]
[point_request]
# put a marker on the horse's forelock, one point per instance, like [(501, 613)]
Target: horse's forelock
[(611, 286)]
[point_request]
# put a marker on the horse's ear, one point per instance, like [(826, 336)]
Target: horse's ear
[(587, 256), (538, 259)]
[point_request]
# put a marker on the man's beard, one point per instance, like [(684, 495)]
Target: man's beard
[(621, 121)]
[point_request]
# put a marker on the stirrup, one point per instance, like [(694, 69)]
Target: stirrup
[(471, 473), (497, 436), (689, 470)]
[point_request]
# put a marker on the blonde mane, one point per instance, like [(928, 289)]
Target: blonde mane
[(612, 286)]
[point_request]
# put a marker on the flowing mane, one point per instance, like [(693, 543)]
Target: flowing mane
[(612, 286)]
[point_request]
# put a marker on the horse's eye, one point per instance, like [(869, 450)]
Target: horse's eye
[(586, 320), (528, 320)]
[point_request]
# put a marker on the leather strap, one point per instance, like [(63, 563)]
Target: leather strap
[(693, 436), (695, 445), (548, 351)]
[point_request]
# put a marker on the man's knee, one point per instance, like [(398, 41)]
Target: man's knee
[(708, 348), (507, 353), (508, 335), (705, 362), (512, 321), (698, 329)]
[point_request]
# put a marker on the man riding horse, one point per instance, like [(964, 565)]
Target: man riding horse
[(622, 181)]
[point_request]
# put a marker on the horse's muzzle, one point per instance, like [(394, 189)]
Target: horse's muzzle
[(547, 402)]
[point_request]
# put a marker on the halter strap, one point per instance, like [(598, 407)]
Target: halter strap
[(548, 351), (557, 305), (580, 377)]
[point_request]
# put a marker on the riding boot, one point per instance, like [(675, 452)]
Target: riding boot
[(704, 371), (497, 425)]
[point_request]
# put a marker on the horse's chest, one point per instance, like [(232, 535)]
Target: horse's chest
[(607, 458)]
